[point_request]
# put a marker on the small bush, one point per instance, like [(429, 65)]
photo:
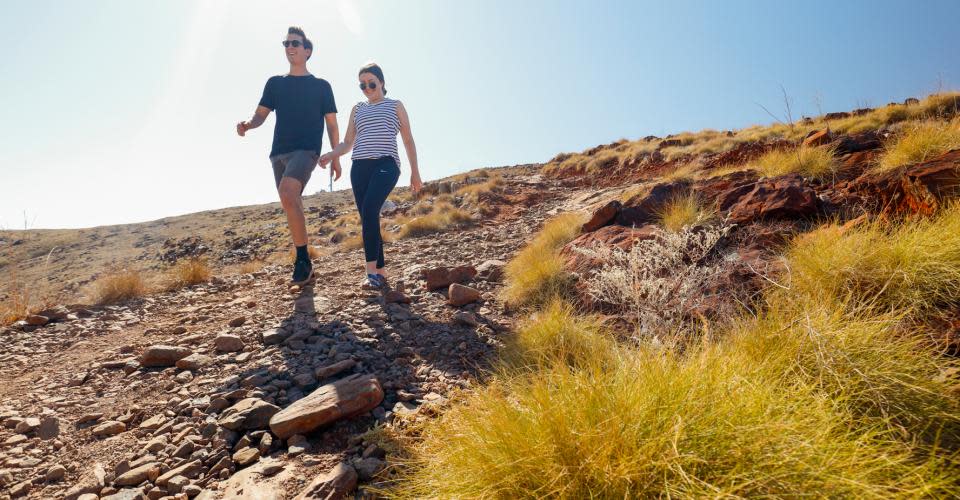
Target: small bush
[(921, 142), (188, 272), (682, 211), (817, 162), (536, 275), (659, 283), (119, 286), (442, 217)]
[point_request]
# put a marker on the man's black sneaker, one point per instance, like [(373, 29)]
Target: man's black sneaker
[(302, 271)]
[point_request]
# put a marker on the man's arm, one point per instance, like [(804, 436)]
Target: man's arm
[(333, 133), (259, 116)]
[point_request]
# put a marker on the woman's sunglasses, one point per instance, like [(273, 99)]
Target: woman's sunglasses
[(372, 85), (295, 43)]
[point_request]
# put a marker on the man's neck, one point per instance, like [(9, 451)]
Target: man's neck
[(298, 70)]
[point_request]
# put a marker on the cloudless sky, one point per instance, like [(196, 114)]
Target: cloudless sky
[(117, 111)]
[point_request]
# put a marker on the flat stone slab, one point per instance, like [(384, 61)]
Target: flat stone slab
[(344, 398)]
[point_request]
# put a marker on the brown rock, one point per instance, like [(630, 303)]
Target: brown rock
[(913, 189), (331, 370), (149, 471), (442, 277), (194, 361), (37, 320), (460, 295), (602, 216), (785, 197), (248, 414), (162, 356), (818, 138), (836, 115), (238, 321), (109, 428), (491, 270), (49, 428), (56, 313), (345, 398), (608, 236), (337, 484), (396, 297), (226, 342), (246, 456), (190, 469)]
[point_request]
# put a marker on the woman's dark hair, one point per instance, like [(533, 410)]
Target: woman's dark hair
[(375, 70)]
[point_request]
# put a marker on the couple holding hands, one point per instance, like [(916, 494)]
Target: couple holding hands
[(304, 105)]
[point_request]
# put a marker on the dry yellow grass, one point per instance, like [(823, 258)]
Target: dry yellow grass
[(536, 275), (921, 141), (683, 210), (119, 286), (16, 305), (314, 252), (251, 267), (188, 272), (442, 217), (818, 162)]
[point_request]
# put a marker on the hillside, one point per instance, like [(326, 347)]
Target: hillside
[(770, 311)]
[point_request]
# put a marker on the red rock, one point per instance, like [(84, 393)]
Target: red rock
[(602, 216), (818, 138), (337, 484), (836, 116), (864, 141), (323, 372), (248, 414), (921, 188), (642, 209), (163, 355), (344, 398), (442, 277), (459, 295), (783, 197), (396, 297), (37, 320)]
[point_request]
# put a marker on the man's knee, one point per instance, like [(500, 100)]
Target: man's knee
[(289, 190)]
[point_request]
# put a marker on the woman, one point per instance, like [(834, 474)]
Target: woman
[(372, 134)]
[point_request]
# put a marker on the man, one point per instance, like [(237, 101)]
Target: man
[(303, 104)]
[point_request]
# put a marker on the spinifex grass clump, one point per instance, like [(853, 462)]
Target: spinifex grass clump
[(817, 162), (119, 286), (442, 217), (921, 141), (536, 275), (682, 211), (188, 272), (912, 267), (556, 336)]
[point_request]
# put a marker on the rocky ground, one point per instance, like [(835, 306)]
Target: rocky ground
[(248, 387)]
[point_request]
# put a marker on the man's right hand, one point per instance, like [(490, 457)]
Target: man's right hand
[(242, 128)]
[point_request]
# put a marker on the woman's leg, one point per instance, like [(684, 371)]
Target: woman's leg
[(383, 179), (360, 172)]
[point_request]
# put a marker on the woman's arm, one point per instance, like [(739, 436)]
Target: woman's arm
[(347, 143), (415, 183)]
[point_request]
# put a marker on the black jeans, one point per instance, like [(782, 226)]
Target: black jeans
[(372, 181)]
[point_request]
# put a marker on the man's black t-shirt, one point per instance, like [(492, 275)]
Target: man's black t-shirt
[(301, 102)]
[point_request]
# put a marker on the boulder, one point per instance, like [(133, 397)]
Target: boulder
[(818, 138), (460, 295), (602, 216), (913, 189), (248, 414), (785, 197), (226, 342), (442, 277), (162, 356), (344, 398)]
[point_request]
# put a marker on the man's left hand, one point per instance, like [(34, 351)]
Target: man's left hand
[(335, 166)]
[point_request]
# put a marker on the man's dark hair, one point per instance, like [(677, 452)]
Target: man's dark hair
[(374, 69), (307, 44)]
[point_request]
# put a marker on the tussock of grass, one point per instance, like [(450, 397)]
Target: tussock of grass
[(682, 211), (16, 305), (912, 267), (536, 275), (921, 142), (188, 272), (251, 267), (557, 336), (442, 217), (480, 187), (816, 162), (119, 286)]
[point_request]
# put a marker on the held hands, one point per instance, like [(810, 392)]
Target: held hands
[(323, 160)]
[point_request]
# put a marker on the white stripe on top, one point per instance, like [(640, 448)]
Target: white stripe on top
[(377, 128)]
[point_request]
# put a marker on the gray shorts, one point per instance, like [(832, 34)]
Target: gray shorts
[(297, 164)]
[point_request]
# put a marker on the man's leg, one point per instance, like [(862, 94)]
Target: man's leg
[(292, 203)]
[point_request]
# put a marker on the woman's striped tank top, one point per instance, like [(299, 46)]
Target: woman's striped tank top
[(377, 128)]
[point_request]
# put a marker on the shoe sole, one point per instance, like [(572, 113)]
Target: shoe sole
[(305, 281)]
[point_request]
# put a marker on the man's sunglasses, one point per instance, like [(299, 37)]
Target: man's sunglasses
[(295, 43), (372, 85)]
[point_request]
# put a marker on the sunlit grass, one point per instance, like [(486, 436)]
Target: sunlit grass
[(536, 275), (921, 142)]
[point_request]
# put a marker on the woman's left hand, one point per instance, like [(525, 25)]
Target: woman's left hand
[(415, 183)]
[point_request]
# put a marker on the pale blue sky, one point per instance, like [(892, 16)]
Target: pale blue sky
[(118, 111)]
